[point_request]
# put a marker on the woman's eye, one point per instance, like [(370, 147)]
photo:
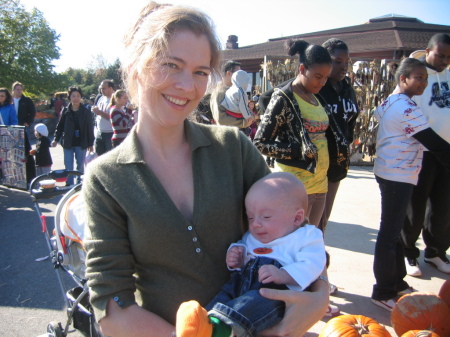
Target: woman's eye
[(202, 73), (171, 65)]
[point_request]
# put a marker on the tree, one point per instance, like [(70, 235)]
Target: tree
[(28, 47)]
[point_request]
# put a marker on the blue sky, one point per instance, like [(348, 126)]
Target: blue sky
[(89, 28)]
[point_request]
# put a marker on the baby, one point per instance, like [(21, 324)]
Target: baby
[(280, 250), (236, 100)]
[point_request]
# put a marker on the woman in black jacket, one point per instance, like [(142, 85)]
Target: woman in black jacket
[(294, 126), (75, 131)]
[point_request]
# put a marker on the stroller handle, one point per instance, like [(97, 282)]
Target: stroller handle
[(59, 176)]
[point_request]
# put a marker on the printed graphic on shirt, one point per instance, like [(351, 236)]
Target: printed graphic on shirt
[(440, 95), (262, 250), (347, 107)]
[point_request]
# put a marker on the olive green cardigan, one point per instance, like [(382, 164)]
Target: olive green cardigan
[(140, 249)]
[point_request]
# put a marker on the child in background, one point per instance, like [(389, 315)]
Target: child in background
[(280, 250), (236, 99), (42, 152)]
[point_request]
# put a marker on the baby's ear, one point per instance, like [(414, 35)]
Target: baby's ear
[(299, 217)]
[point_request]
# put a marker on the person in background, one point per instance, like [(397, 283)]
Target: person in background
[(166, 180), (26, 112), (75, 132), (403, 129), (254, 110), (60, 104), (235, 101), (433, 187), (42, 152), (218, 95), (341, 98), (7, 113), (121, 117), (103, 128), (293, 127)]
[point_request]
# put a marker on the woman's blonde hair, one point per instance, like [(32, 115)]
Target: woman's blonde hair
[(115, 96), (147, 41)]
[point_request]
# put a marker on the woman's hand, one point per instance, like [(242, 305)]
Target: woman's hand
[(303, 309), (54, 143)]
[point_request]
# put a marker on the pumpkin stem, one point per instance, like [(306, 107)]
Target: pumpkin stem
[(361, 328)]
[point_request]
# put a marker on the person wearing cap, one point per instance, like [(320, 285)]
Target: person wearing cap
[(42, 152), (218, 95)]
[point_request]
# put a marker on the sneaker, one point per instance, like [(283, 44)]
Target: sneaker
[(408, 290), (412, 267), (439, 262), (332, 311), (385, 304), (333, 288)]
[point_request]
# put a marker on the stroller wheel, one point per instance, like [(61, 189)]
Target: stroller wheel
[(55, 329)]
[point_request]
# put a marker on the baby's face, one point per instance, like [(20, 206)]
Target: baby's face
[(269, 218)]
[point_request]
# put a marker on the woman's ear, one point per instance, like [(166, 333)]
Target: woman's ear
[(301, 69)]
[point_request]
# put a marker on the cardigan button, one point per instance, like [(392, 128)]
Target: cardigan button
[(194, 239), (198, 250), (189, 228), (115, 299)]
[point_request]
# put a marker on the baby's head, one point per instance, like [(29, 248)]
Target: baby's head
[(40, 130), (241, 79), (276, 206)]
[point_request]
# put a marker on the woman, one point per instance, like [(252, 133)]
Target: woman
[(402, 130), (8, 114), (341, 99), (120, 116), (293, 127), (75, 132), (161, 216)]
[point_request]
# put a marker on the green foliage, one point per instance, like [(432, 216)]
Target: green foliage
[(89, 80), (27, 49)]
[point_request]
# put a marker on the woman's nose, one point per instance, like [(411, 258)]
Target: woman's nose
[(185, 81)]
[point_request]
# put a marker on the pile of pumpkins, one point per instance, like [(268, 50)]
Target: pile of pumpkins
[(419, 314)]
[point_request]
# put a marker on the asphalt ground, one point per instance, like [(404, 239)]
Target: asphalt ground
[(30, 295)]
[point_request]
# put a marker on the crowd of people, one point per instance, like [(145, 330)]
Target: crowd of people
[(185, 196)]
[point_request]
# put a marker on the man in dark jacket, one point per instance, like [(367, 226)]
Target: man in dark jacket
[(25, 114), (24, 105)]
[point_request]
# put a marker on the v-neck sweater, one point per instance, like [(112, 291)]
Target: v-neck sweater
[(140, 249)]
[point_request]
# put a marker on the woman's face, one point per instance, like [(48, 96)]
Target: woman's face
[(339, 65), (251, 105), (75, 98), (123, 100), (169, 92), (2, 98), (314, 78)]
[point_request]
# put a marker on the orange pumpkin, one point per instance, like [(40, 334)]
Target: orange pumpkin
[(444, 292), (420, 333), (421, 311), (353, 326)]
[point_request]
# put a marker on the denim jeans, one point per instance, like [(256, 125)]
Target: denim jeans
[(102, 142), (389, 262), (79, 154), (240, 305)]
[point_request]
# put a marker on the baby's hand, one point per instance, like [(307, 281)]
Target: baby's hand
[(269, 273), (235, 258)]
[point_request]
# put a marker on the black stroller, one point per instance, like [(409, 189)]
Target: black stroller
[(65, 244)]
